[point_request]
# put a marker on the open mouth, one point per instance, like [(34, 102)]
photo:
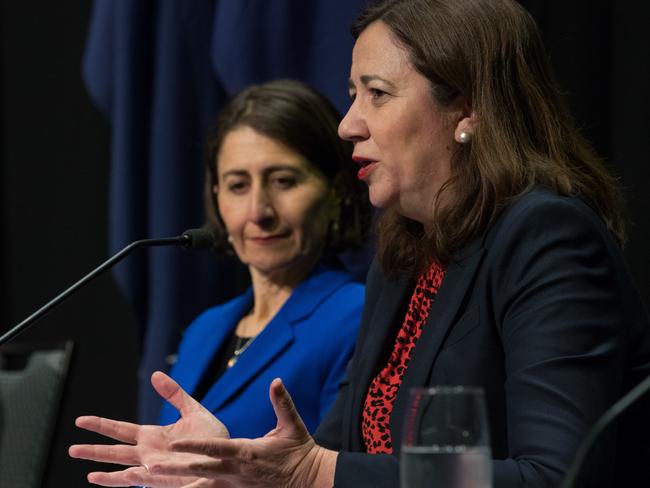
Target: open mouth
[(367, 165)]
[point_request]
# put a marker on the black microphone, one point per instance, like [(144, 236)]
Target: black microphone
[(190, 239)]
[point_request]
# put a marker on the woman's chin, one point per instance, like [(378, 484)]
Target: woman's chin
[(281, 268), (380, 199)]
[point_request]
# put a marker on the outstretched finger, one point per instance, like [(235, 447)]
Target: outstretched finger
[(174, 394), (285, 410), (126, 455), (127, 477), (201, 468), (138, 476), (115, 429)]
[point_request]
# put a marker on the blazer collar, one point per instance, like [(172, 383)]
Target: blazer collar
[(189, 371), (381, 327), (387, 317), (445, 310), (277, 335)]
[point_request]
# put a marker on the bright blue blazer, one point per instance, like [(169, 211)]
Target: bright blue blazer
[(307, 344)]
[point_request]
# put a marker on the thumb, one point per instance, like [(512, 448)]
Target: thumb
[(174, 394), (285, 410)]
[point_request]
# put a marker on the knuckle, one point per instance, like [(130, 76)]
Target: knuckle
[(200, 468), (286, 403), (132, 476), (248, 455)]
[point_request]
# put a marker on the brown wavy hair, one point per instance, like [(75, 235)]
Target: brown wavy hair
[(488, 54), (294, 114)]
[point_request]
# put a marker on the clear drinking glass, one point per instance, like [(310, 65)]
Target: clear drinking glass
[(445, 441)]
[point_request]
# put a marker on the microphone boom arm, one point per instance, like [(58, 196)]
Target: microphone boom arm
[(186, 239)]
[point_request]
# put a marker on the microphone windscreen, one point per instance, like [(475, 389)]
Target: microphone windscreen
[(199, 239)]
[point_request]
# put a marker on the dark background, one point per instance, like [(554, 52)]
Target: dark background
[(55, 150)]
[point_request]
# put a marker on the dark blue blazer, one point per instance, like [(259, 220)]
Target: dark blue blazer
[(308, 344), (539, 312)]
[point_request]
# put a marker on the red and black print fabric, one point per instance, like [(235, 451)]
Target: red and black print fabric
[(383, 389)]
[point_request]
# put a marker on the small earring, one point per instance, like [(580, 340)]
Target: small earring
[(230, 239), (464, 137)]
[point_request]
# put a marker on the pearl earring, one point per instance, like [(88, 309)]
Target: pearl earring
[(464, 137), (230, 239)]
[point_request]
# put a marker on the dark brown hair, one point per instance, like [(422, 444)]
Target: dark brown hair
[(294, 114), (488, 54)]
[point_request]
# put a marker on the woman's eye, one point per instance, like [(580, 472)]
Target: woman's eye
[(237, 186), (376, 93), (284, 182)]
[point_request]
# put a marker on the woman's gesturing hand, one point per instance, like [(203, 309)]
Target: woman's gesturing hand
[(143, 445), (287, 456)]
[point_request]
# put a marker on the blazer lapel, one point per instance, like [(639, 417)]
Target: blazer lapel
[(189, 373), (445, 309), (276, 336), (381, 328)]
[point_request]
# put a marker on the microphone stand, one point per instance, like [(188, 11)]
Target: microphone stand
[(573, 475), (183, 240)]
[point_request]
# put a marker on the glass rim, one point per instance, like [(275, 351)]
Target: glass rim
[(446, 389)]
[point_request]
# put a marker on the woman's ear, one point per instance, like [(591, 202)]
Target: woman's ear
[(214, 200), (334, 212), (334, 204), (465, 128)]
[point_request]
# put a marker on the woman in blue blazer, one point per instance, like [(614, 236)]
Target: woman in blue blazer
[(284, 198), (307, 343)]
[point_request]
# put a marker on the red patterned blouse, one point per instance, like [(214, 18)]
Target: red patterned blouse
[(383, 389)]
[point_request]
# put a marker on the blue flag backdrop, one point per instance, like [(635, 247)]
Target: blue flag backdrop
[(159, 70)]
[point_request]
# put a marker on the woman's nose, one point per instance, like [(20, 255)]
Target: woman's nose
[(353, 127), (261, 207)]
